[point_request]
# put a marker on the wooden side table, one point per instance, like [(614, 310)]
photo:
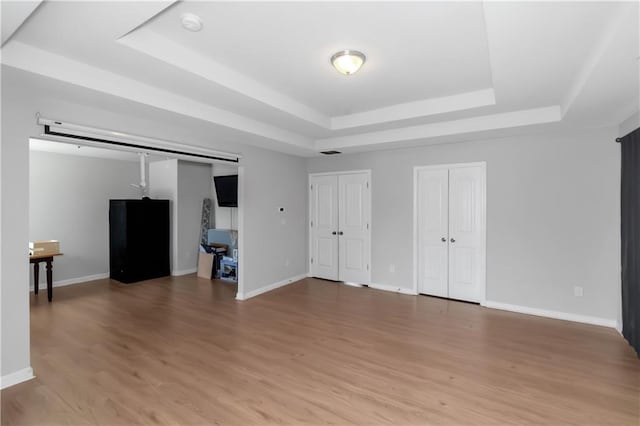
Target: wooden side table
[(48, 258)]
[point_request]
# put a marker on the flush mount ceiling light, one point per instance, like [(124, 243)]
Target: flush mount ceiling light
[(348, 62), (191, 22)]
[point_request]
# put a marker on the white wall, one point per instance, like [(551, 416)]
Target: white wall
[(163, 185), (185, 184), (271, 180), (193, 186), (69, 201), (273, 241), (17, 125), (553, 216)]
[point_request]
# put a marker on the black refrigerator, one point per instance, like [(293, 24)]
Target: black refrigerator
[(139, 239)]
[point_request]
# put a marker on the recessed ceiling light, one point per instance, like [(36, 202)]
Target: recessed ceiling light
[(191, 22), (348, 62)]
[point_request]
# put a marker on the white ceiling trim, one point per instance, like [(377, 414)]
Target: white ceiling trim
[(14, 14), (164, 49), (595, 56), (570, 65), (423, 108), (545, 115), (629, 124), (161, 6), (157, 46), (32, 59), (626, 111), (29, 58)]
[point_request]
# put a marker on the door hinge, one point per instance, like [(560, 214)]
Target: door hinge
[(367, 266), (312, 187), (312, 224), (312, 260), (367, 185), (367, 226)]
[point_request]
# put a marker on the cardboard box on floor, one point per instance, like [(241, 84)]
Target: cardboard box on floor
[(205, 265)]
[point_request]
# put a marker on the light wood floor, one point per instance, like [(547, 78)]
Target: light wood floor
[(183, 351)]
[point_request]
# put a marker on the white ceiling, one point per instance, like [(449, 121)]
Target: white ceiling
[(435, 71), (402, 43), (14, 14)]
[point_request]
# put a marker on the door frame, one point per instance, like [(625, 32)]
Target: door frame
[(483, 205), (309, 213)]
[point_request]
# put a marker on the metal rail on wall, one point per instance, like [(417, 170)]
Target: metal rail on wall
[(61, 131)]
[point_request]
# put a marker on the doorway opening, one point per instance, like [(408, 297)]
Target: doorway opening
[(69, 202)]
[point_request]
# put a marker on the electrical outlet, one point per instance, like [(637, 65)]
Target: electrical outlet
[(578, 291), (392, 268)]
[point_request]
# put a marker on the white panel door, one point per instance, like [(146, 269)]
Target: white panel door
[(353, 229), (324, 227), (432, 223), (466, 233)]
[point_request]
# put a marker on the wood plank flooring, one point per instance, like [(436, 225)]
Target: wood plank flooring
[(183, 351)]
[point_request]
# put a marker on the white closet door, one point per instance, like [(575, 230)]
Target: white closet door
[(324, 227), (433, 217), (466, 233), (354, 235)]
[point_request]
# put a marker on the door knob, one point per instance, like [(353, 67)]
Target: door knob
[(443, 239), (340, 233), (334, 233), (453, 240)]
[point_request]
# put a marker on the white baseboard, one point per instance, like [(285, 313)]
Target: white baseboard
[(71, 281), (183, 272), (586, 319), (16, 377), (393, 289), (261, 290)]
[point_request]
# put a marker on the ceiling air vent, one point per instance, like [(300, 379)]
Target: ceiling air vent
[(330, 152)]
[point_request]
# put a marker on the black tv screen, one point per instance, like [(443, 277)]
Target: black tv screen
[(227, 190)]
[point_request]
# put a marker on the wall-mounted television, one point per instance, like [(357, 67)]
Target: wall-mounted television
[(227, 190)]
